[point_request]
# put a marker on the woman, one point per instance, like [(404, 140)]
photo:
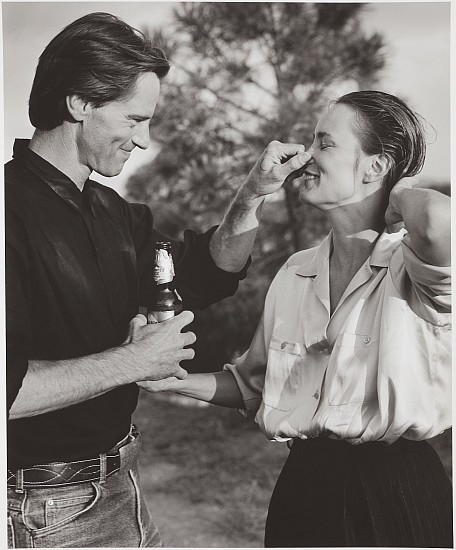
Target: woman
[(350, 362)]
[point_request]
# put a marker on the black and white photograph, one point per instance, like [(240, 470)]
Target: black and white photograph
[(227, 232)]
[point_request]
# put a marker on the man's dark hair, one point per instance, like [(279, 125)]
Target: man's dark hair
[(98, 57)]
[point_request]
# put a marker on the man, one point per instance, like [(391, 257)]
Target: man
[(79, 265)]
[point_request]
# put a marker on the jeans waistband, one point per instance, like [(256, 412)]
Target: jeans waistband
[(121, 457)]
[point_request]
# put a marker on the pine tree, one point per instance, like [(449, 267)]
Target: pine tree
[(242, 75)]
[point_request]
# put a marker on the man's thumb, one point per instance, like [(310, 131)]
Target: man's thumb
[(296, 162), (138, 321)]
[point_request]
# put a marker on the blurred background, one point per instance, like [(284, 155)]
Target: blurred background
[(242, 74)]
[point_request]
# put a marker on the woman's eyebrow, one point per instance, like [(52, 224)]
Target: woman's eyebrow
[(321, 135)]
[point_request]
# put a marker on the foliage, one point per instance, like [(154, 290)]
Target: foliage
[(242, 75)]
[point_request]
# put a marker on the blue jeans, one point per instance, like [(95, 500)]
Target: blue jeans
[(105, 514)]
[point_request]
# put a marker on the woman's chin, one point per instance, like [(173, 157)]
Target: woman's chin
[(305, 197), (306, 190)]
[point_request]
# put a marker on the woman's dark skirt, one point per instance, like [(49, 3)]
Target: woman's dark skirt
[(333, 494)]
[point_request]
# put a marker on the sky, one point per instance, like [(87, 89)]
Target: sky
[(417, 37)]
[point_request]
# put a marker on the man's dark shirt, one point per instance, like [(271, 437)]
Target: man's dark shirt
[(78, 266)]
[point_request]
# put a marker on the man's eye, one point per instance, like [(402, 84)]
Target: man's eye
[(325, 146)]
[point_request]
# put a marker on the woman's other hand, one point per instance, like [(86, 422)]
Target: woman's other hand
[(426, 215), (393, 218)]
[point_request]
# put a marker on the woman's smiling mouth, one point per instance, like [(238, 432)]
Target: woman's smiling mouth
[(310, 176)]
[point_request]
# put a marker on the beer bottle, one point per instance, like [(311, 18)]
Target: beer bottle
[(166, 302)]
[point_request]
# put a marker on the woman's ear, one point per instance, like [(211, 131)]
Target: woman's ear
[(78, 107), (377, 169)]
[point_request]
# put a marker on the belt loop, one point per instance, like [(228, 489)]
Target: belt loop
[(103, 467), (20, 481)]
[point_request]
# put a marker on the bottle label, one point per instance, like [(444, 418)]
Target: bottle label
[(163, 267)]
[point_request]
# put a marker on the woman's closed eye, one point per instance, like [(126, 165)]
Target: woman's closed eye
[(325, 146)]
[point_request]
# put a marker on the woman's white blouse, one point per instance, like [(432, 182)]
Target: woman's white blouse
[(379, 368)]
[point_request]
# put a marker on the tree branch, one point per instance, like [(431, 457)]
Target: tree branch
[(222, 98)]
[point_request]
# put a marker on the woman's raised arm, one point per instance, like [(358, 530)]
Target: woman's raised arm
[(426, 214)]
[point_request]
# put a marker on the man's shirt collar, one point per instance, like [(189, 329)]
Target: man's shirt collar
[(57, 180)]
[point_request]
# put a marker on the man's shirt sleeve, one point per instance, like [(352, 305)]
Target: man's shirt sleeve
[(17, 316)]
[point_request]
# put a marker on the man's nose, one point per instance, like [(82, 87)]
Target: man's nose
[(141, 137)]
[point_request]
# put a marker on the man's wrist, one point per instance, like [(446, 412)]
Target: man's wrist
[(246, 200)]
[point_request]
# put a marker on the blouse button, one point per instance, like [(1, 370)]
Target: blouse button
[(366, 339), (325, 351), (50, 502)]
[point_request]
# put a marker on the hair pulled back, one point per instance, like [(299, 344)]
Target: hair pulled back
[(98, 57), (386, 125)]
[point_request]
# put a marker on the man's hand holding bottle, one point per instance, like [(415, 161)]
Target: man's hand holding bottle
[(158, 348)]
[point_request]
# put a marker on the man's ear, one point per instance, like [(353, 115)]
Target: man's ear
[(78, 107), (377, 169)]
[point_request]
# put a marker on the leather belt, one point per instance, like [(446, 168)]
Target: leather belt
[(65, 473)]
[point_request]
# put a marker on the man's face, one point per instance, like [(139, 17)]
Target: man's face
[(108, 134)]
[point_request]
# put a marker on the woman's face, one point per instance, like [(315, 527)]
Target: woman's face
[(338, 174)]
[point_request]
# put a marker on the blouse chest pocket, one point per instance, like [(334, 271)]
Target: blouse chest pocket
[(352, 373), (285, 363)]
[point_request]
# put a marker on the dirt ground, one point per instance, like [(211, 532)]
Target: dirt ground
[(184, 524), (208, 475)]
